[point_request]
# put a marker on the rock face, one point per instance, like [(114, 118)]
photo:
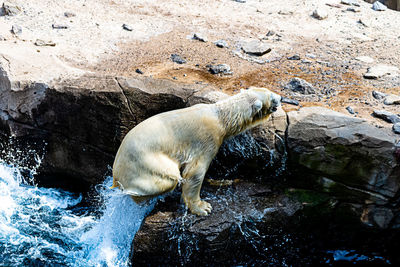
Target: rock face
[(346, 150), (83, 121), (183, 238)]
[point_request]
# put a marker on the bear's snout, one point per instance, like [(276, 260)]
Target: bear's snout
[(276, 102)]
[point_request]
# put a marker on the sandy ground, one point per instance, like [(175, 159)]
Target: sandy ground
[(96, 42)]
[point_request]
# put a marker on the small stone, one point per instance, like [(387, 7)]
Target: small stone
[(221, 43), (311, 55), (240, 1), (378, 95), (364, 23), (69, 14), (219, 69), (350, 110), (365, 59), (2, 38), (294, 57), (396, 127), (16, 29), (350, 2), (10, 9), (352, 9), (378, 71), (300, 86), (139, 71), (378, 6), (59, 26), (256, 48), (40, 42), (127, 27), (270, 33), (200, 37), (320, 14), (392, 100), (177, 59), (386, 116), (289, 101)]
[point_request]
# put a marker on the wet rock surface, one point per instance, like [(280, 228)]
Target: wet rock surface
[(188, 239)]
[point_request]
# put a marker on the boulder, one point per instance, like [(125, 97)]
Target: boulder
[(242, 214), (379, 71), (84, 120), (346, 150)]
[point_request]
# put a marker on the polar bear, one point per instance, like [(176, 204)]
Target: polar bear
[(178, 146)]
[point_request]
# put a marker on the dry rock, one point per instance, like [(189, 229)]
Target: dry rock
[(392, 100), (386, 115), (378, 95), (396, 128), (40, 42), (365, 59), (200, 37), (10, 9), (320, 13), (378, 71), (300, 86), (256, 48), (16, 29), (378, 6)]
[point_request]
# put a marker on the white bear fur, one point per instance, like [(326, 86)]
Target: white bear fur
[(178, 146)]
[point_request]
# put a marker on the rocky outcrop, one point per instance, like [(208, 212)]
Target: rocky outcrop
[(349, 158), (242, 214), (84, 120)]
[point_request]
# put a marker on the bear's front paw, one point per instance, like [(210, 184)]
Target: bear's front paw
[(201, 208)]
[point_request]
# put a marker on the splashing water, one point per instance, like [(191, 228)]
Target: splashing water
[(49, 226)]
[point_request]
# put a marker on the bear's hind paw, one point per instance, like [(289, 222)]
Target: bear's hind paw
[(203, 208)]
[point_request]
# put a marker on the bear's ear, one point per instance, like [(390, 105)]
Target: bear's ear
[(256, 107)]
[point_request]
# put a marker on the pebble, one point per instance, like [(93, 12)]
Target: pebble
[(16, 29), (2, 38), (139, 71), (270, 33), (177, 59), (396, 127), (221, 43), (127, 27), (386, 116), (378, 6), (352, 9), (289, 101), (59, 26), (311, 55), (300, 86), (378, 95), (350, 2), (364, 23), (69, 14), (350, 110), (378, 71), (10, 9), (365, 59), (40, 42), (240, 1), (320, 14), (219, 69), (256, 48), (200, 37), (294, 57), (392, 100)]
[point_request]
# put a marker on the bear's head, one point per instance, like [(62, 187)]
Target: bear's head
[(266, 103)]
